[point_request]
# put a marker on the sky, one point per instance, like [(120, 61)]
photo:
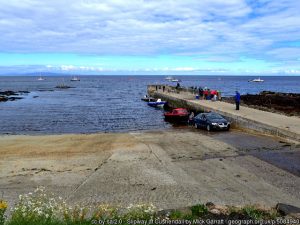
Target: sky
[(195, 37)]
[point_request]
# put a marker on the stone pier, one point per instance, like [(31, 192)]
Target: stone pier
[(247, 118)]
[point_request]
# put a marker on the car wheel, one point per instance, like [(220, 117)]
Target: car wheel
[(228, 127), (196, 126), (208, 128)]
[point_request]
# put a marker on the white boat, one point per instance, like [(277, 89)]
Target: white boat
[(169, 78), (157, 103), (41, 78), (176, 80), (257, 80), (75, 79)]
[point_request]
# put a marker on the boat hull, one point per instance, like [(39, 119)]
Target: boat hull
[(157, 104), (177, 118), (148, 99)]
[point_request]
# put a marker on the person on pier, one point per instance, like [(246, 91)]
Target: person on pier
[(237, 99)]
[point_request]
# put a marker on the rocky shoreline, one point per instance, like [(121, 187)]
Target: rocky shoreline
[(11, 95), (278, 102)]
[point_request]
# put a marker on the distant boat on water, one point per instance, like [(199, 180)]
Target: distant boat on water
[(172, 79), (41, 78), (169, 78), (147, 98), (62, 85), (75, 79), (256, 80)]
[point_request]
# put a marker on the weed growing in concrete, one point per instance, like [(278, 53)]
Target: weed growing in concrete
[(199, 210), (3, 207), (42, 208)]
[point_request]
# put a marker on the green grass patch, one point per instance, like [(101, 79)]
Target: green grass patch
[(42, 208)]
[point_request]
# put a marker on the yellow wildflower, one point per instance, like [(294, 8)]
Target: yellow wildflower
[(3, 204)]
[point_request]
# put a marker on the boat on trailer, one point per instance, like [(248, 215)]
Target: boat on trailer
[(177, 115)]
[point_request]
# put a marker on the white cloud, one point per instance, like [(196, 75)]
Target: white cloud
[(185, 69), (68, 67), (76, 68), (221, 30), (113, 27)]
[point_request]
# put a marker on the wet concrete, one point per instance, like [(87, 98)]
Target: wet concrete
[(286, 160), (275, 151)]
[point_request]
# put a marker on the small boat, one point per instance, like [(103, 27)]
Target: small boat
[(41, 78), (62, 85), (256, 80), (147, 98), (75, 79), (158, 103), (176, 80), (178, 115), (169, 78)]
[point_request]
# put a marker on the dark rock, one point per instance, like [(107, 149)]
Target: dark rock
[(63, 86), (45, 90), (8, 93), (285, 209), (287, 103), (183, 210), (210, 205), (11, 95), (284, 102), (14, 98), (3, 99)]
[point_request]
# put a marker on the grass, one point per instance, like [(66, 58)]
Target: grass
[(199, 210), (176, 215), (42, 208)]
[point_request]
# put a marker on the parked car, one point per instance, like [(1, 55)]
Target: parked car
[(211, 121)]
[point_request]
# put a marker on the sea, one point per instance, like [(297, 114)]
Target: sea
[(107, 103)]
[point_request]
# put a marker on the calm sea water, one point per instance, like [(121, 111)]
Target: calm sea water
[(105, 103)]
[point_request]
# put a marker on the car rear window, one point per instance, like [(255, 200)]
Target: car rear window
[(214, 116)]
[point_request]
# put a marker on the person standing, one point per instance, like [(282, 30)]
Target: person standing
[(191, 118), (205, 94), (164, 88), (200, 90), (219, 95), (237, 100)]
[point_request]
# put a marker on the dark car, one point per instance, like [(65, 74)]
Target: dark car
[(211, 121)]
